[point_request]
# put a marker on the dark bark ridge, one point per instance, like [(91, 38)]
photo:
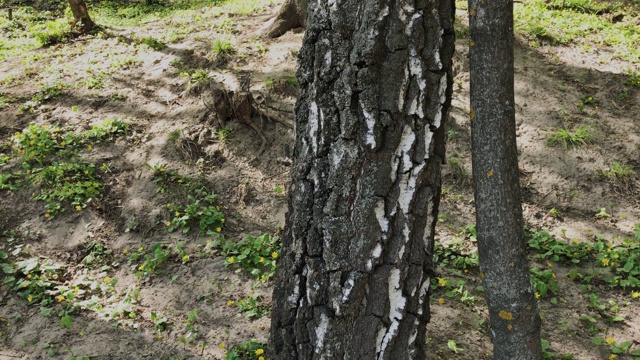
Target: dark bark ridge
[(513, 309), (354, 274)]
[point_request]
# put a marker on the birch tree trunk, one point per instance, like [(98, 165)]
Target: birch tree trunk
[(513, 308), (354, 275)]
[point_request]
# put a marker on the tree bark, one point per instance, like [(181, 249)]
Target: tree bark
[(513, 308), (354, 274), (81, 15), (292, 14)]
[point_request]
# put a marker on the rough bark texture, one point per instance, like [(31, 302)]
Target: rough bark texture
[(81, 15), (292, 14), (353, 279), (513, 308)]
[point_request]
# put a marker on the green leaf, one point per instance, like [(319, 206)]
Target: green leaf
[(7, 269), (66, 321), (451, 344)]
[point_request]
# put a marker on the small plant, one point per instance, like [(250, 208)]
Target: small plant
[(153, 43), (253, 307), (607, 311), (550, 248), (117, 97), (602, 214), (200, 210), (615, 348), (51, 32), (554, 213), (199, 76), (581, 136), (153, 261), (586, 100), (94, 82), (618, 171), (71, 183), (192, 318), (453, 346), (544, 282), (633, 78), (460, 292), (223, 134), (9, 182), (257, 255), (247, 350), (222, 47)]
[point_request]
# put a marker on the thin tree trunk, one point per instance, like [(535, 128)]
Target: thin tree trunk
[(513, 308), (81, 15), (356, 265)]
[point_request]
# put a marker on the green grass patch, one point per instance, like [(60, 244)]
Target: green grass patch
[(191, 205), (581, 22), (45, 157), (222, 47), (71, 184), (51, 32), (580, 136)]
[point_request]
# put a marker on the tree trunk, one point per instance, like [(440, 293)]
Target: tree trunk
[(81, 15), (354, 274), (513, 309), (292, 14)]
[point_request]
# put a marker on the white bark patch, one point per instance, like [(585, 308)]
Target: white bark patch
[(409, 28), (383, 13), (436, 50), (382, 219), (408, 188), (321, 331), (293, 298), (327, 59), (348, 287), (428, 136), (423, 293), (405, 238), (402, 151), (381, 332), (375, 254), (377, 251), (313, 125), (416, 70), (397, 303), (370, 119), (337, 153), (442, 93)]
